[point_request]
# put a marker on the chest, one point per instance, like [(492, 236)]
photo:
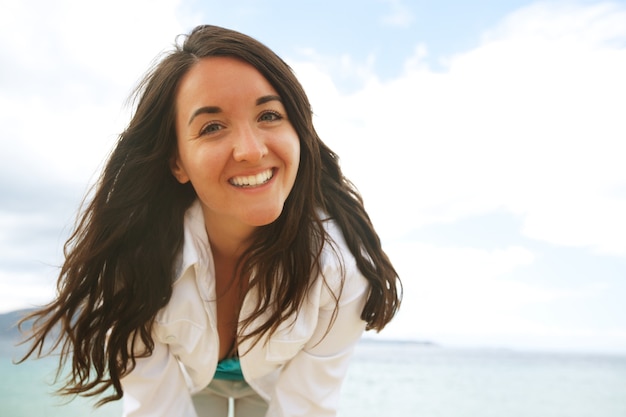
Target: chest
[(229, 293)]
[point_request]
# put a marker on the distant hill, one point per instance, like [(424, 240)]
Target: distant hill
[(8, 323), (10, 335)]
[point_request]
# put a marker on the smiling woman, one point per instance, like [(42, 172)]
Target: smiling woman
[(224, 257)]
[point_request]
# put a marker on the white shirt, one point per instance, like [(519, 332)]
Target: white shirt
[(299, 370)]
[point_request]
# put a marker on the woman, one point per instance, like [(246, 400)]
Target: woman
[(223, 254)]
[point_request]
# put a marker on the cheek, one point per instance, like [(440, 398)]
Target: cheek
[(294, 157), (294, 146), (296, 151), (295, 167), (205, 161)]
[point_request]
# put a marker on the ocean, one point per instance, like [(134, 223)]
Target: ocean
[(388, 379)]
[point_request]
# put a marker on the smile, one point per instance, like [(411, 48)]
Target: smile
[(252, 180)]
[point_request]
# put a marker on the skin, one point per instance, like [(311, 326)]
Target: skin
[(236, 146)]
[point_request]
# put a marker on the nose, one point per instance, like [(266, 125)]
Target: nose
[(249, 145)]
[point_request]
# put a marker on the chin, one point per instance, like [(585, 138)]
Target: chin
[(264, 218)]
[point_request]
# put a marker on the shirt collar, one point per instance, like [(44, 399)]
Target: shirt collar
[(196, 248)]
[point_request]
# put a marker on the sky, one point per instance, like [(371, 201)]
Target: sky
[(487, 139)]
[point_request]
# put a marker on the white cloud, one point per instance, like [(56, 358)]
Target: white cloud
[(530, 121), (454, 289), (26, 288), (460, 296), (67, 68)]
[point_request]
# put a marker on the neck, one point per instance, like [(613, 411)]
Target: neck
[(227, 242)]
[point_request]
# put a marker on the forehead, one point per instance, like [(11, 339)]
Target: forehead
[(221, 79)]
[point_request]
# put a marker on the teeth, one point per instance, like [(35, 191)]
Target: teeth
[(252, 180)]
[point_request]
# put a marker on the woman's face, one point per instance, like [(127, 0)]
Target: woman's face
[(235, 145)]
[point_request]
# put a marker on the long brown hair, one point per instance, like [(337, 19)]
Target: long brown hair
[(119, 260)]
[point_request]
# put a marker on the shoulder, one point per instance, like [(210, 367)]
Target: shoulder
[(338, 267), (335, 251)]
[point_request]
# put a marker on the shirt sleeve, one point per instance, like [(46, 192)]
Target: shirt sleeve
[(309, 385), (157, 387)]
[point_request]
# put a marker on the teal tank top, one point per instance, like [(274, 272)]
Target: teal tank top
[(229, 369)]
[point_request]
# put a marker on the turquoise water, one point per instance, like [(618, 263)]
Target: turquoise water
[(407, 380), (404, 380)]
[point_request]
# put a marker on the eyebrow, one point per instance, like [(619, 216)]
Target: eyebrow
[(216, 109), (266, 99)]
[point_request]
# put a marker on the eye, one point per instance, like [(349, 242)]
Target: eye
[(270, 116), (210, 128)]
